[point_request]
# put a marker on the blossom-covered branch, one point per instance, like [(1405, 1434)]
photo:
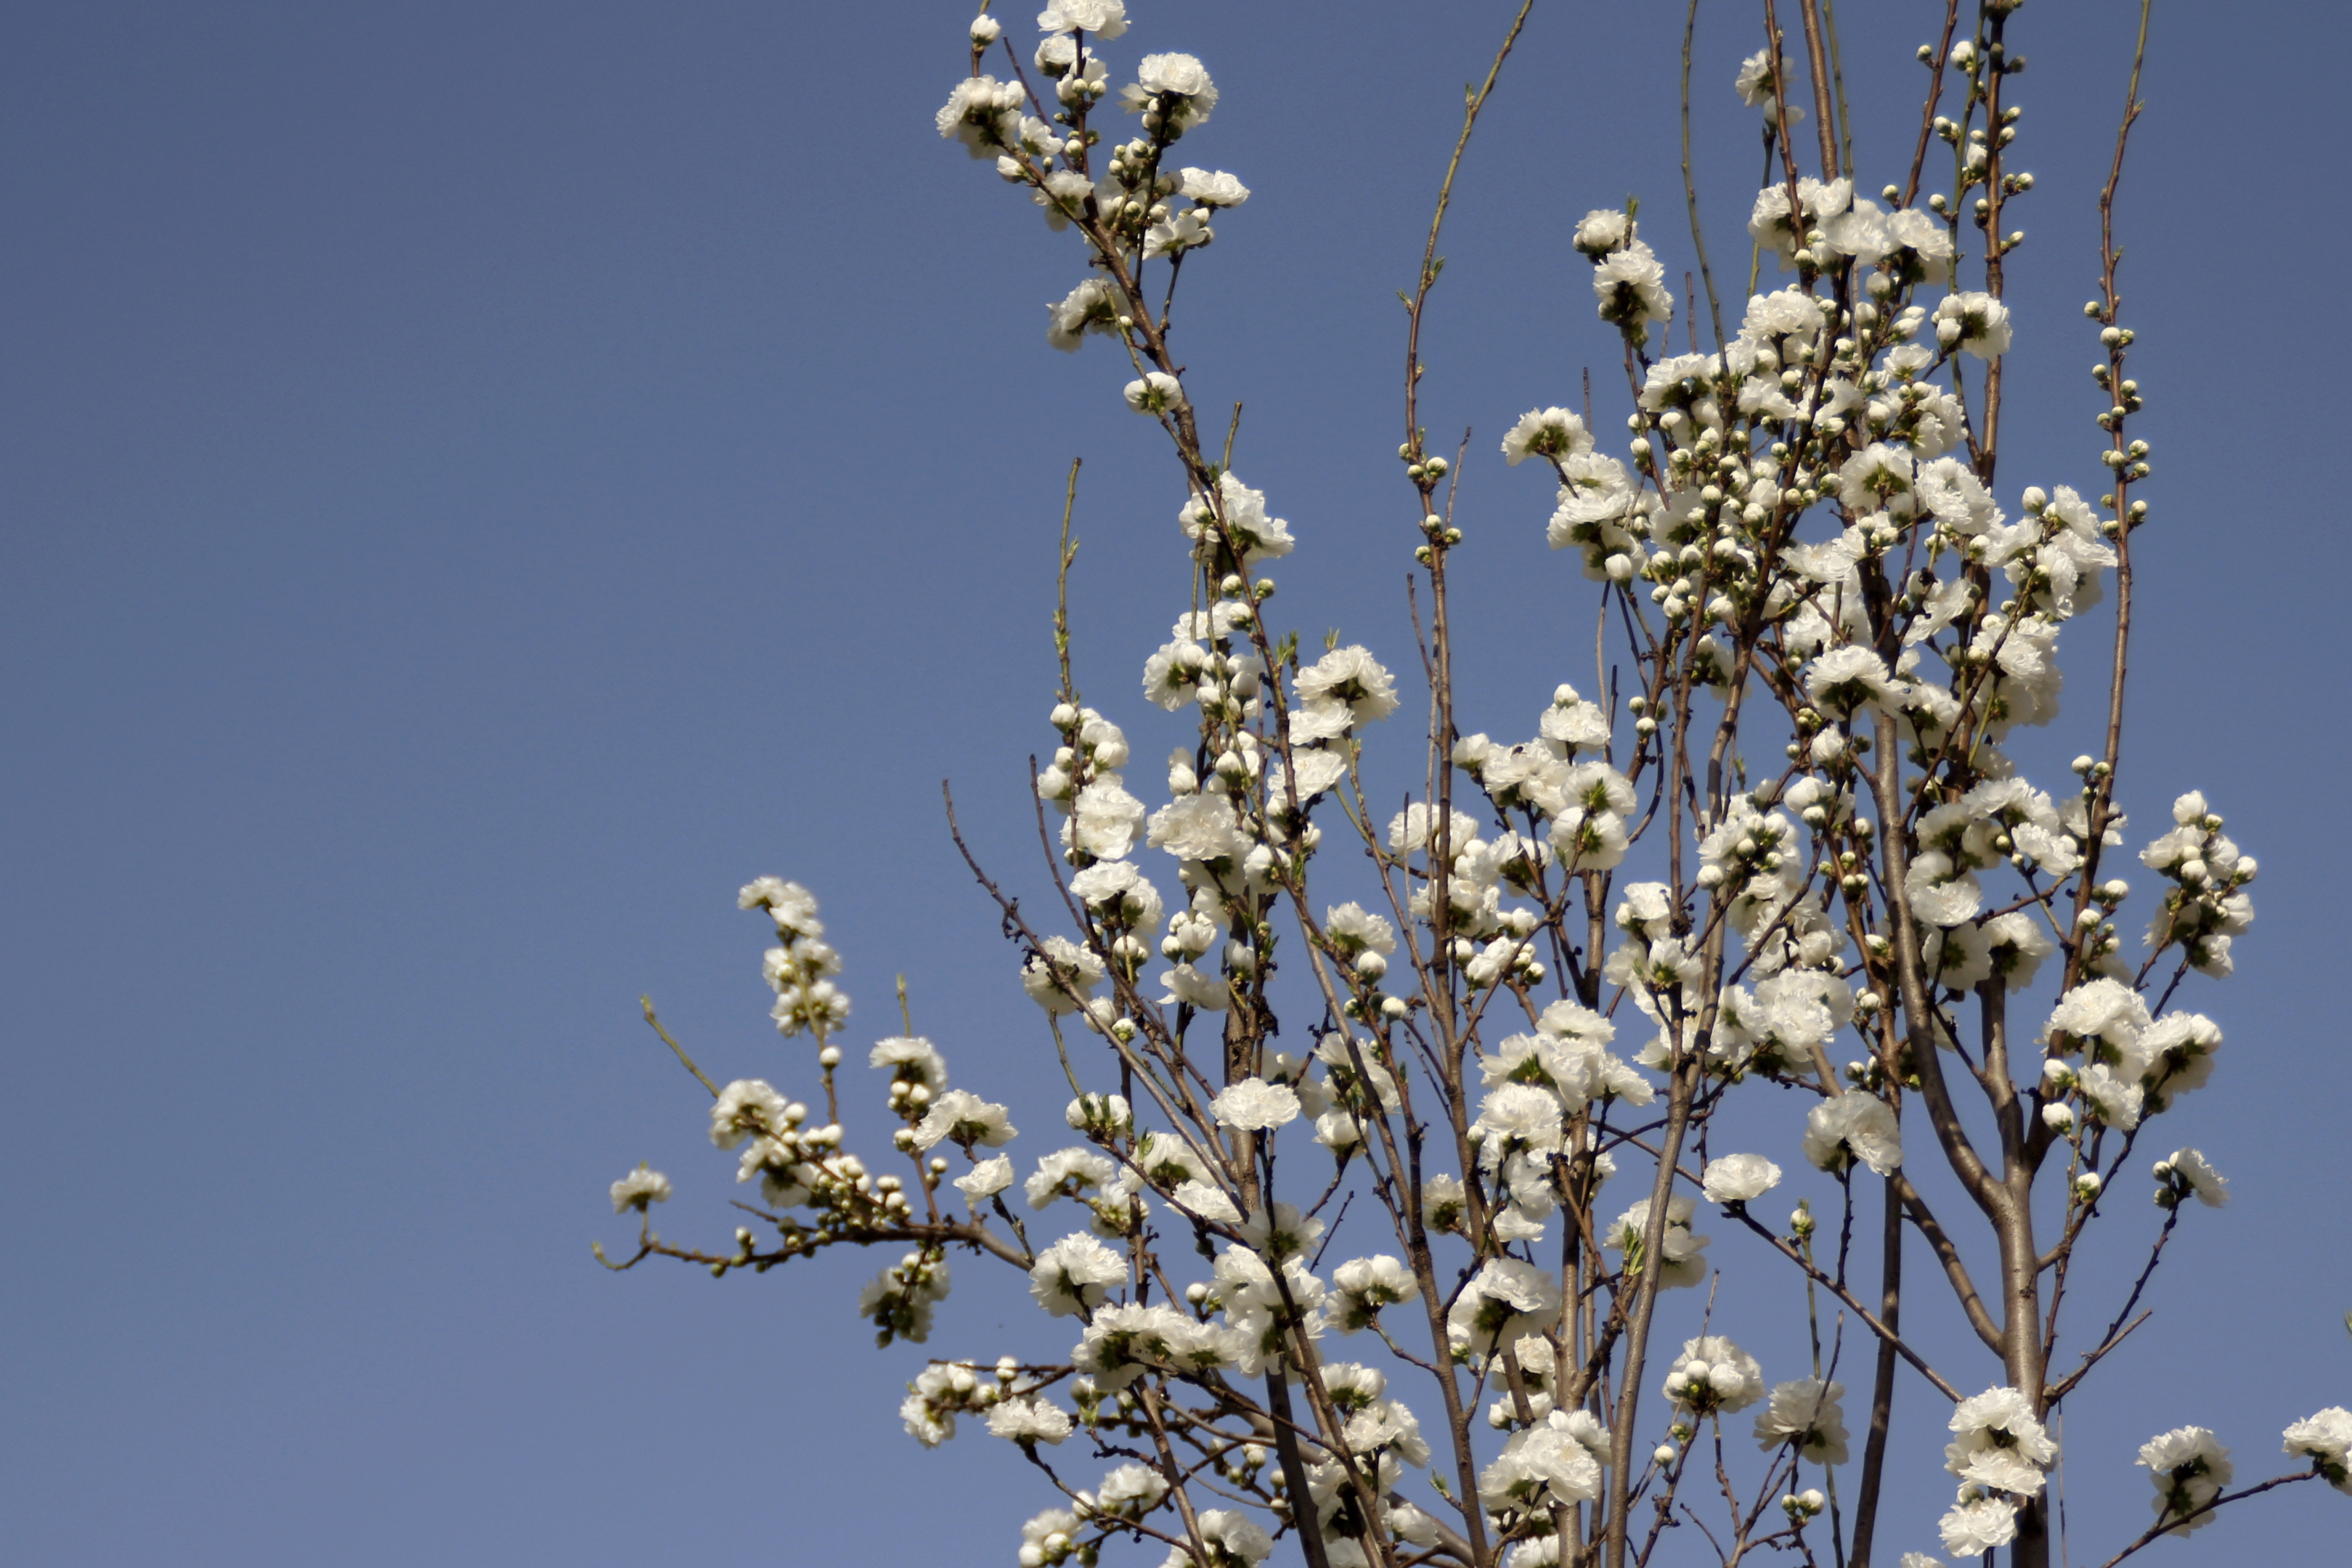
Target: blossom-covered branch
[(1448, 1101)]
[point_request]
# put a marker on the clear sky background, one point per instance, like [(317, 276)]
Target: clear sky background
[(482, 481)]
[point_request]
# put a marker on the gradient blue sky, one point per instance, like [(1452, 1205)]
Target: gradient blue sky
[(484, 480)]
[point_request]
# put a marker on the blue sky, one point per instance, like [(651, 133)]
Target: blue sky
[(482, 481)]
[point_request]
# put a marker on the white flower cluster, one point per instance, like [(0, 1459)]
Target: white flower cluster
[(948, 1388), (798, 971), (2002, 1457), (638, 1188), (2191, 1469), (1805, 1414), (1713, 1375), (2325, 1440), (2131, 1066), (1127, 208), (2207, 905)]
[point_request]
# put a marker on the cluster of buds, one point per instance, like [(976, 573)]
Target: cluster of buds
[(1703, 1386), (2207, 905), (798, 971), (899, 1299)]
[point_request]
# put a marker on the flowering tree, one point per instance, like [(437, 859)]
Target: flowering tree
[(1383, 1284)]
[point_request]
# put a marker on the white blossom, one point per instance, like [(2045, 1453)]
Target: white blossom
[(1255, 1105), (1073, 1274), (910, 1059), (1048, 1532), (1061, 978), (1977, 1525), (1603, 230), (1365, 1285), (2186, 1174), (1176, 83), (639, 1188), (1205, 1201), (1541, 1467), (793, 906), (1349, 678), (1805, 1412), (1736, 1179), (1212, 188), (961, 1117), (1091, 307), (2190, 1469), (1105, 820), (2326, 1438), (2001, 1445), (1683, 1264), (1235, 1539), (1756, 86), (982, 113), (1103, 18), (1546, 433), (748, 1107), (1155, 391), (1853, 1127), (1029, 1421), (1356, 930), (1712, 1374), (1504, 1302), (1976, 322), (986, 1179), (1128, 1492)]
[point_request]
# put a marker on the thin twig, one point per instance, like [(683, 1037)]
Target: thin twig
[(647, 1003), (1870, 1320), (2170, 1523), (1690, 197)]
